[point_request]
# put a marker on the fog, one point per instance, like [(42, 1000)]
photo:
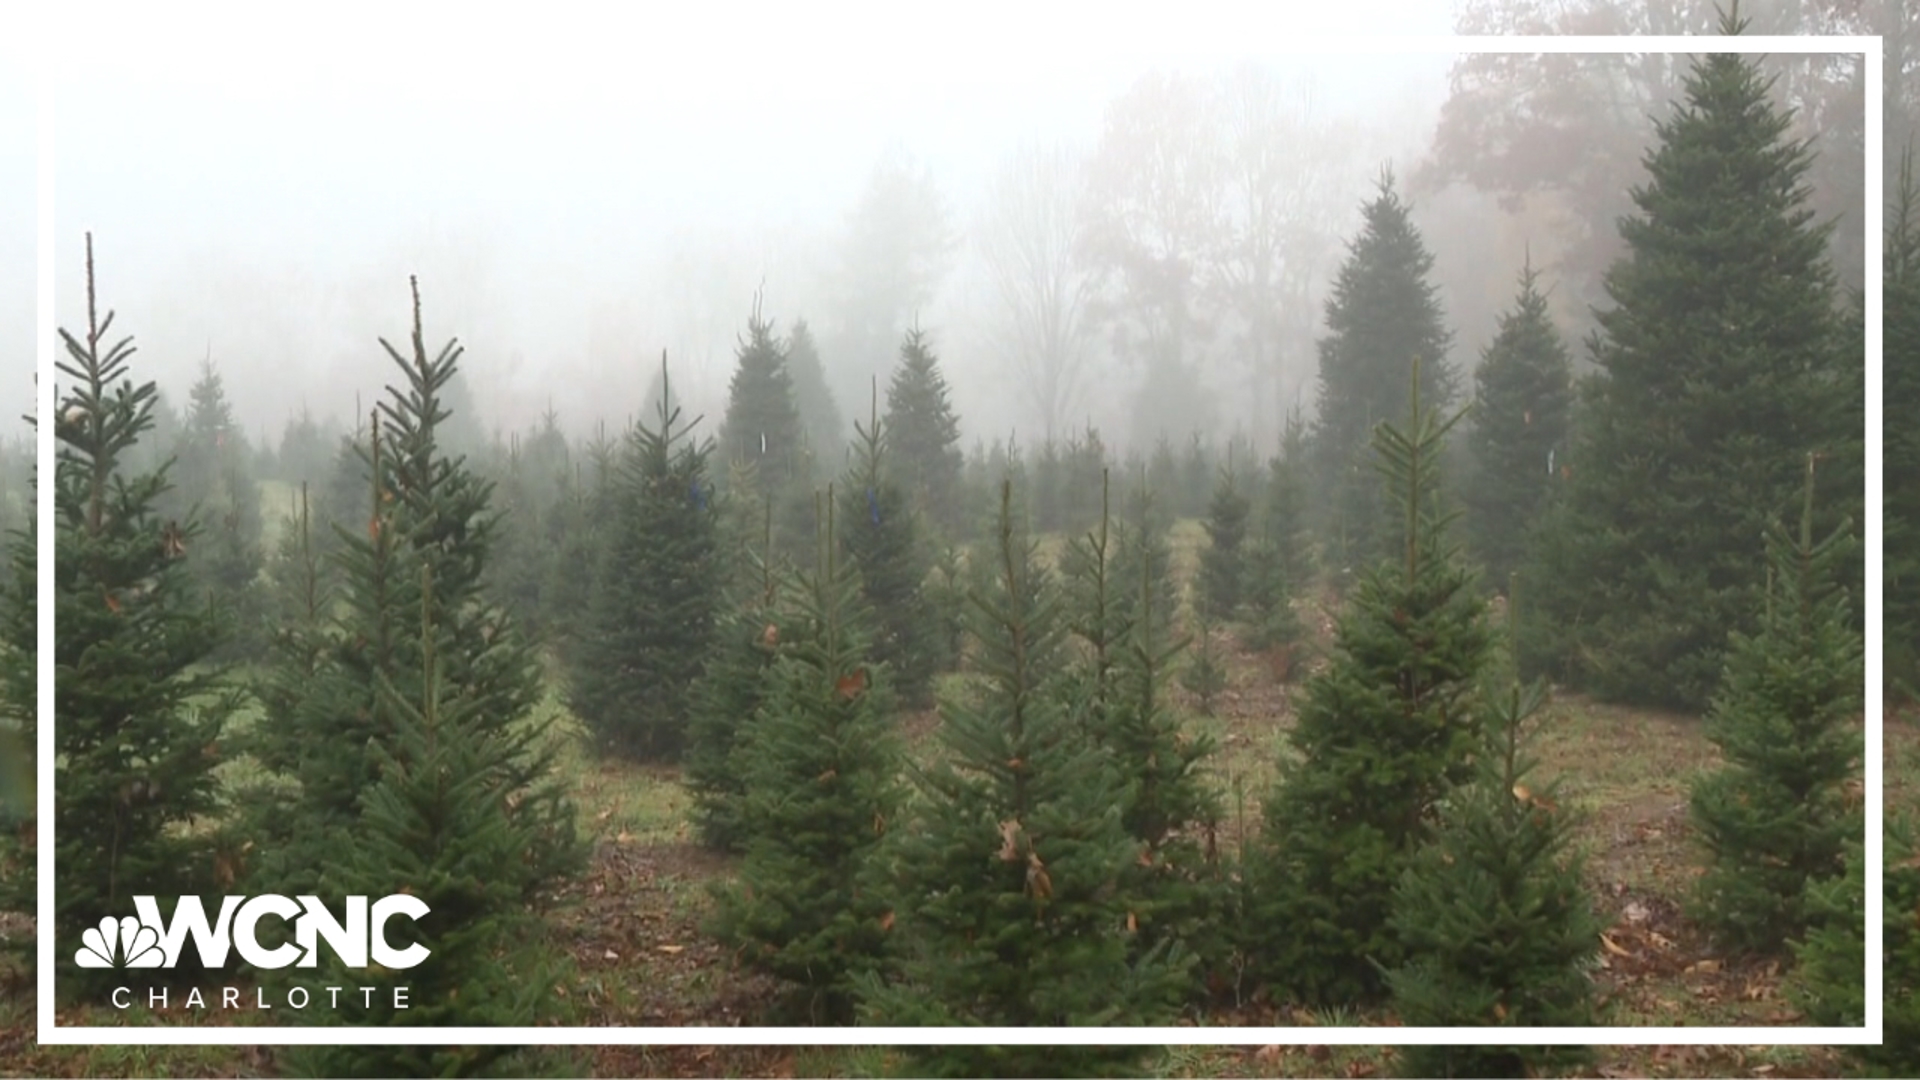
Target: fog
[(18, 224), (578, 196)]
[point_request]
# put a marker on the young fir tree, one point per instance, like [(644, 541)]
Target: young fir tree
[(1205, 675), (1830, 981), (1496, 922), (819, 414), (435, 827), (947, 598), (1775, 816), (1285, 508), (422, 508), (212, 479), (1004, 887), (19, 700), (578, 532), (1142, 547), (727, 696), (1900, 327), (141, 711), (1094, 619), (1385, 730), (925, 434), (762, 429), (1721, 367), (880, 536), (1384, 313), (1180, 882), (651, 618), (821, 766), (1523, 392), (1223, 570)]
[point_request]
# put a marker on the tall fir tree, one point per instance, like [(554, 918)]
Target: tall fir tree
[(140, 711), (1523, 396), (1004, 885), (213, 479), (1285, 505), (726, 698), (1900, 405), (880, 535), (423, 508), (1721, 365), (926, 434), (1774, 817), (763, 433), (19, 702), (651, 619), (419, 752), (1385, 730), (1223, 569), (1142, 547), (1384, 315), (819, 413), (821, 765), (1495, 917)]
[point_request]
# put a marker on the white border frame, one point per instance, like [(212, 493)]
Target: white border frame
[(49, 1033)]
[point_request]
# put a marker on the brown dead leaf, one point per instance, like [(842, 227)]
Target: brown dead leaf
[(1038, 883), (886, 922), (1009, 844), (604, 814), (1703, 967), (625, 837), (1269, 1052), (1613, 947), (1133, 923), (671, 949)]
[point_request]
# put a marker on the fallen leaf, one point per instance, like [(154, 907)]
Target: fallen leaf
[(609, 955), (670, 949), (1613, 947), (1636, 912), (625, 837), (1270, 1052), (604, 814)]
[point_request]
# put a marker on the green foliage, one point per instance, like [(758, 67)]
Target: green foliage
[(140, 709), (434, 826), (1383, 315), (1205, 675), (331, 723), (1523, 394), (819, 415), (1385, 730), (1005, 884), (1900, 327), (1285, 506), (820, 764), (19, 701), (658, 584), (1142, 548), (212, 481), (1495, 920), (880, 537), (1721, 366), (1223, 570), (762, 430), (1830, 981), (947, 598), (925, 434), (728, 694), (1775, 816)]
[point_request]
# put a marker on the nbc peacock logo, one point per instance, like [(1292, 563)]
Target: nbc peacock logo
[(120, 943)]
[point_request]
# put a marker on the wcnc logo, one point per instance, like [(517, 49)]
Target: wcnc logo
[(152, 942)]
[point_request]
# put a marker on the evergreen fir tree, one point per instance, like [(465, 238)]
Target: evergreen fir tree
[(652, 615), (1522, 397), (1205, 675), (1086, 567), (19, 700), (762, 426), (1830, 981), (819, 414), (1005, 905), (725, 699), (1384, 314), (882, 545), (1384, 732), (335, 739), (925, 434), (1774, 817), (1272, 624), (213, 481), (947, 597), (1496, 922), (1284, 509), (821, 765), (306, 451), (436, 829), (1188, 498), (141, 711), (1142, 547), (1223, 571), (1900, 327), (1720, 368), (579, 531)]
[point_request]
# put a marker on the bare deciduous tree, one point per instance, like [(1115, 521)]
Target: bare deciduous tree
[(1026, 237)]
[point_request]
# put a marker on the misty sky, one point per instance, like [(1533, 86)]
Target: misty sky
[(260, 185)]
